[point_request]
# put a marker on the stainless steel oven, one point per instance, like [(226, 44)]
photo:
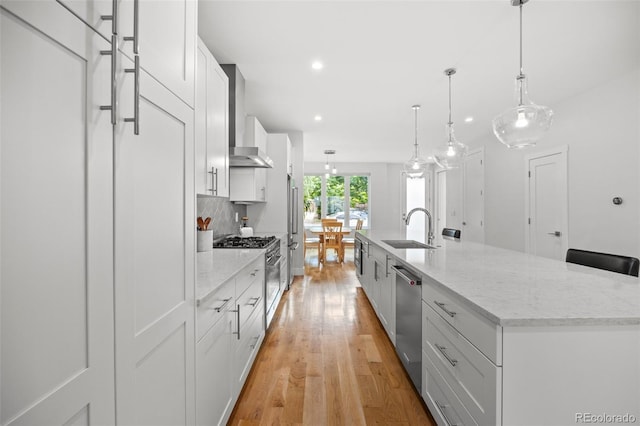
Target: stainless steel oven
[(272, 288)]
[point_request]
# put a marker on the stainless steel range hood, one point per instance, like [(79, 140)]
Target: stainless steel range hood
[(239, 154), (248, 156)]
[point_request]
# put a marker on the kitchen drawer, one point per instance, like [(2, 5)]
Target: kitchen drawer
[(481, 332), (214, 307), (472, 376), (443, 404), (251, 336), (249, 275), (250, 300)]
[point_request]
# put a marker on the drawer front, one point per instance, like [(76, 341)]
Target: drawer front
[(249, 275), (250, 340), (251, 299), (212, 309), (485, 335), (445, 407), (473, 377)]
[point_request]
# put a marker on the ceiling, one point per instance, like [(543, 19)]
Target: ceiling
[(382, 57)]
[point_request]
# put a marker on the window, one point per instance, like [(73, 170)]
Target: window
[(328, 196)]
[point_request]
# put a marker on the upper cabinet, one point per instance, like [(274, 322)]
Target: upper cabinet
[(212, 125), (161, 32)]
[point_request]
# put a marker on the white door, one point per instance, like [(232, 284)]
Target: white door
[(154, 263), (415, 195), (473, 197), (167, 41), (56, 232), (547, 204)]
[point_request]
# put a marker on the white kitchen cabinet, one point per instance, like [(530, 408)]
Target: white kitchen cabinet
[(92, 13), (167, 41), (154, 246), (212, 125), (255, 134), (56, 225), (214, 353), (387, 297), (248, 185)]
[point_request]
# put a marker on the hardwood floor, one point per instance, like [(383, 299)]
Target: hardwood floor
[(326, 360)]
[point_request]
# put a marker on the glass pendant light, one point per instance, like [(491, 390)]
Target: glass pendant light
[(452, 153), (416, 166), (525, 124)]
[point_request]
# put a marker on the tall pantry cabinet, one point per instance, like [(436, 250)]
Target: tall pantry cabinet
[(96, 232)]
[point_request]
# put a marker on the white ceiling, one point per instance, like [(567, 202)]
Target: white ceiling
[(381, 57)]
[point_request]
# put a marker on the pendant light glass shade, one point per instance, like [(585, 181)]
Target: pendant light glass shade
[(416, 167), (451, 154), (526, 123)]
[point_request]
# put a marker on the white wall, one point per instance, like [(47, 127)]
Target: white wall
[(385, 182), (601, 129)]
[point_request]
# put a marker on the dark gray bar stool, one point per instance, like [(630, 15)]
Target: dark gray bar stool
[(610, 262)]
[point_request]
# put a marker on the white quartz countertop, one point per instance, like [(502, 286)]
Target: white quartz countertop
[(217, 266), (512, 288)]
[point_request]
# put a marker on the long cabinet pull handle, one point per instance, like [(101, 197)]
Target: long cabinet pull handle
[(446, 419), (113, 17), (214, 181), (134, 38), (444, 353), (256, 300), (136, 95), (441, 306), (114, 87), (237, 311), (221, 307)]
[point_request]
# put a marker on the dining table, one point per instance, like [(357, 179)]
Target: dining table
[(319, 231)]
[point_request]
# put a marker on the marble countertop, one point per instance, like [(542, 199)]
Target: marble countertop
[(511, 288), (217, 266)]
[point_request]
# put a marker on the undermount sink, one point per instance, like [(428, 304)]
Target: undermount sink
[(407, 244)]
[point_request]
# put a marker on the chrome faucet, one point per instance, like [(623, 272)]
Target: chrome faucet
[(430, 235)]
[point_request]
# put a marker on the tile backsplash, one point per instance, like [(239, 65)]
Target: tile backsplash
[(222, 213)]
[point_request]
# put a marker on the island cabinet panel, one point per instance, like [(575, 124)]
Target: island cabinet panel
[(473, 378), (572, 373), (481, 332)]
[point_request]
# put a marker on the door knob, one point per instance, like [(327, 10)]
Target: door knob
[(555, 233)]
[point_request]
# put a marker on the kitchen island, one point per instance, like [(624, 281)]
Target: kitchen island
[(510, 338)]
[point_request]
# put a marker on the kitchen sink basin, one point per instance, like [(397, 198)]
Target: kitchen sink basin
[(407, 244)]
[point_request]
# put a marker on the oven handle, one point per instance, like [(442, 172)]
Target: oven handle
[(278, 260)]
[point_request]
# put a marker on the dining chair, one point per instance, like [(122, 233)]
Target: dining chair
[(450, 232), (610, 262), (313, 242), (351, 241), (332, 233)]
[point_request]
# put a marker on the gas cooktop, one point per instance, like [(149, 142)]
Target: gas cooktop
[(246, 242)]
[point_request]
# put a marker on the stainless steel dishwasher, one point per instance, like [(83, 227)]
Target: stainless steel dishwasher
[(409, 323)]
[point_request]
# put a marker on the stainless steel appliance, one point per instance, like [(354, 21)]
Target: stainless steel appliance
[(409, 323), (292, 225), (273, 259)]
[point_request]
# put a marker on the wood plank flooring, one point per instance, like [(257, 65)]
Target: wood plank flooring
[(326, 360)]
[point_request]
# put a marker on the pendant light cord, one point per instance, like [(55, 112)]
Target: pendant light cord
[(521, 76), (415, 144)]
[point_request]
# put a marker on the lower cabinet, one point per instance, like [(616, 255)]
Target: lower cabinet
[(230, 330)]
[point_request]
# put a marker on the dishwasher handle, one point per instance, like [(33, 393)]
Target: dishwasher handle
[(406, 275)]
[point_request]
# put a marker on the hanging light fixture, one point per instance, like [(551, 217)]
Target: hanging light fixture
[(525, 124), (327, 167), (416, 166), (451, 154)]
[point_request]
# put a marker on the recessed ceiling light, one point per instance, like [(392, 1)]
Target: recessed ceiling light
[(318, 118), (317, 65), (468, 119), (429, 158)]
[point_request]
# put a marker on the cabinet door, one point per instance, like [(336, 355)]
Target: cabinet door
[(154, 263), (203, 177), (218, 126), (167, 41), (91, 12), (56, 232), (214, 381)]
